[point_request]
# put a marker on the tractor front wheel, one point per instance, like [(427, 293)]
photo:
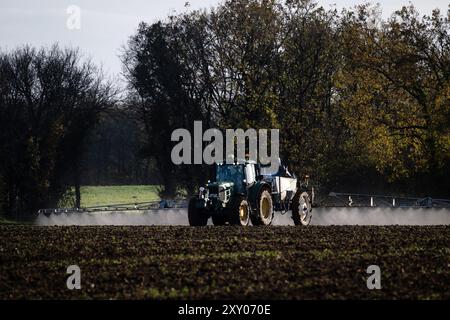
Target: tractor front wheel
[(239, 212), (264, 210), (196, 216)]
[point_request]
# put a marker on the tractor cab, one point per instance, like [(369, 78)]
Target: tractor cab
[(241, 175)]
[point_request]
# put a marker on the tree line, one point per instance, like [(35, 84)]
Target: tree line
[(362, 103), (49, 102)]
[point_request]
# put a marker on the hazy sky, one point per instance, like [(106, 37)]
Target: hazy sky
[(106, 24)]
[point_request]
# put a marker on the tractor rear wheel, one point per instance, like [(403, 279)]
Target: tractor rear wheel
[(264, 210), (301, 209), (196, 216), (239, 212)]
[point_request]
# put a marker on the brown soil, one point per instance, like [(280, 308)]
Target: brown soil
[(225, 262)]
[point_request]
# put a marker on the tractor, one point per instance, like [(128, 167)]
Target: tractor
[(246, 191)]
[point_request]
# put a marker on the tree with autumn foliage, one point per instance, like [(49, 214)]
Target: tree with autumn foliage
[(394, 93), (362, 103)]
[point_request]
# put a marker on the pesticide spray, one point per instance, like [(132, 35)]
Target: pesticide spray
[(163, 217), (321, 216), (373, 216)]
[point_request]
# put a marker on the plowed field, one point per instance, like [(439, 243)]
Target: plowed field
[(161, 262)]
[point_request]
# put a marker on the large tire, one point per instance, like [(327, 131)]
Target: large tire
[(197, 217), (239, 212), (301, 209), (263, 215)]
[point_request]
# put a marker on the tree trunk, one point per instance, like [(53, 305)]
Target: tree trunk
[(77, 187)]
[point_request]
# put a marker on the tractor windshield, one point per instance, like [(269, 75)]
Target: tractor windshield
[(230, 173)]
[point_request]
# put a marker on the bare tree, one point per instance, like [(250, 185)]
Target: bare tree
[(49, 100)]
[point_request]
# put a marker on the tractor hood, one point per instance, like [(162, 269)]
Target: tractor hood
[(220, 191)]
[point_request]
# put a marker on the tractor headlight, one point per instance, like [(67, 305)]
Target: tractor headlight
[(201, 192)]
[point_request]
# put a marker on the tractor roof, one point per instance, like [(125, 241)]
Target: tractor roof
[(236, 162)]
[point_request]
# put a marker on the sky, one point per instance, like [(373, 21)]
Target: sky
[(105, 25)]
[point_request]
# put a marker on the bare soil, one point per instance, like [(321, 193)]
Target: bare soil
[(160, 262)]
